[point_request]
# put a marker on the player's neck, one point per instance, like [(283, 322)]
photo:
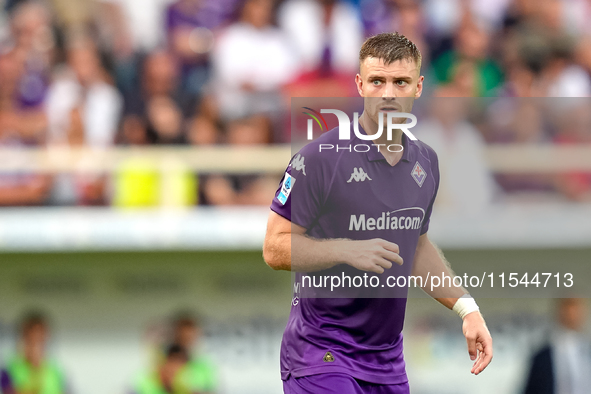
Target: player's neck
[(371, 128)]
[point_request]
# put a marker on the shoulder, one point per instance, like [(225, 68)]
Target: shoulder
[(318, 148), (425, 151), (320, 153)]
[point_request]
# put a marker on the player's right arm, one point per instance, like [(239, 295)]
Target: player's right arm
[(287, 247)]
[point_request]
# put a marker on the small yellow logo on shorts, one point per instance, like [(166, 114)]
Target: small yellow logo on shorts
[(328, 357)]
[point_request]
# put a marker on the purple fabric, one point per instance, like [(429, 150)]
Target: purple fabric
[(32, 90), (5, 383), (336, 383), (363, 334), (209, 14)]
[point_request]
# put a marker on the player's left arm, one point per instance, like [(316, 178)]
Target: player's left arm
[(429, 262)]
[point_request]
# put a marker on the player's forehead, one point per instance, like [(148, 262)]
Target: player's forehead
[(376, 67)]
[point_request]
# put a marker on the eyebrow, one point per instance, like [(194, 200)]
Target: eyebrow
[(400, 78)]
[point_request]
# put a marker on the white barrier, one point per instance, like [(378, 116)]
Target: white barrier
[(548, 225), (542, 158)]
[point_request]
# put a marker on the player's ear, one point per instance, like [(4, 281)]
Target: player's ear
[(359, 83), (419, 87)]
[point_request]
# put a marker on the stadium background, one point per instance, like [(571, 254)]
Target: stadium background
[(142, 141)]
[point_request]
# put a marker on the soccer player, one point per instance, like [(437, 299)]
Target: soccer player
[(342, 212)]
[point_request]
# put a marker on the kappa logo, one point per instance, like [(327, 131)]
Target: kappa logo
[(358, 175), (298, 163), (418, 174)]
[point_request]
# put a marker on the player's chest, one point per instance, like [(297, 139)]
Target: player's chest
[(375, 187)]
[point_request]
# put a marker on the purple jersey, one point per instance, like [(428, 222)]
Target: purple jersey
[(346, 194)]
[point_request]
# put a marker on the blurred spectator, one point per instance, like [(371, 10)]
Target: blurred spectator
[(190, 74), (563, 365), (242, 189), (83, 108), (190, 25), (583, 53), (538, 37), (168, 376), (205, 127), (562, 77), (332, 29), (252, 60), (409, 19), (470, 54), (445, 16), (29, 371), (466, 181), (404, 16), (577, 14), (33, 43), (525, 59), (464, 81), (115, 43), (24, 67), (150, 20), (376, 16), (73, 16), (202, 131), (199, 372), (21, 126), (145, 22), (157, 115)]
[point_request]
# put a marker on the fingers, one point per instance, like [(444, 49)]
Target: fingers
[(375, 268), (377, 255), (390, 251), (393, 257), (391, 246), (471, 341), (479, 359), (378, 265), (485, 356), (383, 262)]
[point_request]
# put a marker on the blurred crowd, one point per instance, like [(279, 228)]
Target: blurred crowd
[(176, 367), (100, 73), (558, 362)]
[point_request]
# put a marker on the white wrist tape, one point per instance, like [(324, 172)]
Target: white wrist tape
[(465, 305)]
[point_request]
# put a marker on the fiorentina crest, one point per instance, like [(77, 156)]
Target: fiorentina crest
[(418, 174)]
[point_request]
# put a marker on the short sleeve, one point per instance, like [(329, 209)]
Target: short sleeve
[(301, 193), (435, 173)]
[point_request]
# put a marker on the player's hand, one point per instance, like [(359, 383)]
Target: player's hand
[(373, 255), (479, 341)]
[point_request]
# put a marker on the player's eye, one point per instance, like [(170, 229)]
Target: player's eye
[(376, 82), (401, 83)]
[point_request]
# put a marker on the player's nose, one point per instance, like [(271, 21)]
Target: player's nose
[(389, 91)]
